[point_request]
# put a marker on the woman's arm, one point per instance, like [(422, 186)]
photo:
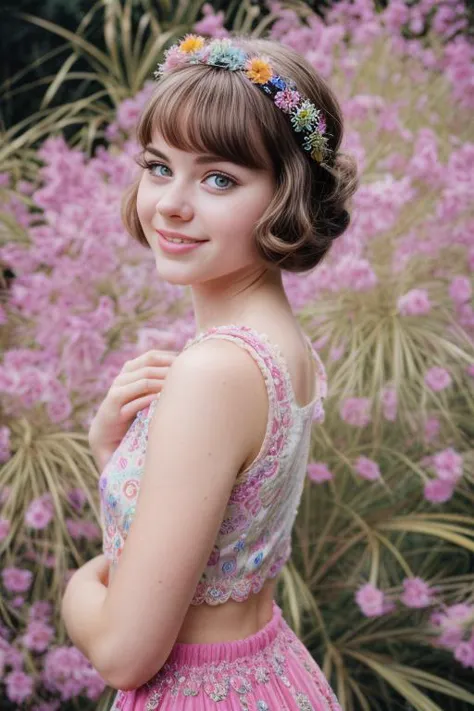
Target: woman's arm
[(201, 433)]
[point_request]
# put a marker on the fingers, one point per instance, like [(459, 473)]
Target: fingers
[(149, 373), (150, 358), (130, 409)]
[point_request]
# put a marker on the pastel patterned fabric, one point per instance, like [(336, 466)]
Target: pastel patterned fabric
[(254, 540), (270, 670)]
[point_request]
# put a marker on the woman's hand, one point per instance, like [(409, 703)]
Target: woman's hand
[(133, 389)]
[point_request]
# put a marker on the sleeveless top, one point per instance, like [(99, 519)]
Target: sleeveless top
[(254, 540)]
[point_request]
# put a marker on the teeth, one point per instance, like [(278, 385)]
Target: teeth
[(180, 241)]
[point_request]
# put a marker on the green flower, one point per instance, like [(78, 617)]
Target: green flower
[(316, 143), (305, 117)]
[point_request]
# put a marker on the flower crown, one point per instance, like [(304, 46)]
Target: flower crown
[(308, 122)]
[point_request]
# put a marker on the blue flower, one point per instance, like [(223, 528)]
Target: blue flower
[(229, 566), (224, 55), (278, 82)]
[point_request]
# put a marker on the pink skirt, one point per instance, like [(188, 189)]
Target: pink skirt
[(269, 671)]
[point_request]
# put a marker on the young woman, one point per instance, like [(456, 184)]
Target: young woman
[(204, 453)]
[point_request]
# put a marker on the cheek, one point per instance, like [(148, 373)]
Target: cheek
[(145, 206)]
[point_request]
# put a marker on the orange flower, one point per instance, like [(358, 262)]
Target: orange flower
[(259, 70), (191, 43)]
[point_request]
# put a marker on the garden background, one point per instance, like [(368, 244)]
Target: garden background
[(380, 583)]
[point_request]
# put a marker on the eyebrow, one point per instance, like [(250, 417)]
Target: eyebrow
[(203, 159)]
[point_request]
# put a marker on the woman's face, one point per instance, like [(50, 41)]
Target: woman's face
[(203, 198)]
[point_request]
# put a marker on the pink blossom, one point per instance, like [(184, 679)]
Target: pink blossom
[(414, 303), (372, 601), (212, 24), (416, 593), (438, 491), (40, 512), (356, 411), (5, 493), (66, 671), (356, 274), (336, 353), (460, 289), (451, 623), (431, 428), (448, 465), (38, 636), (77, 497), (40, 610), (367, 468), (319, 472), (19, 686), (437, 379), (5, 451), (16, 579), (464, 653)]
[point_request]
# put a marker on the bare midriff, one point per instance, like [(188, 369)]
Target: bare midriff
[(229, 621)]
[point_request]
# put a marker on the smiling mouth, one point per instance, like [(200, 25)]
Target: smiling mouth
[(180, 240)]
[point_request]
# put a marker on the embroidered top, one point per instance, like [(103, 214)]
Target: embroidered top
[(254, 540)]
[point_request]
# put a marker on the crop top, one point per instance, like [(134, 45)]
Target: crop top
[(254, 539)]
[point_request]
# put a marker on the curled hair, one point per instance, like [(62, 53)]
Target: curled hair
[(203, 109)]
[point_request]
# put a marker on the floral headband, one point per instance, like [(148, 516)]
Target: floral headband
[(308, 122)]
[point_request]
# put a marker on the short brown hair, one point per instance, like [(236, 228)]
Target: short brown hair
[(203, 109)]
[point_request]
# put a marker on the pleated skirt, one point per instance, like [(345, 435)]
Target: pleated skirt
[(270, 670)]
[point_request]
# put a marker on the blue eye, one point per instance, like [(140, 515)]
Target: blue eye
[(151, 167), (221, 176)]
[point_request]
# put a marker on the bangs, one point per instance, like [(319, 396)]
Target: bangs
[(202, 109)]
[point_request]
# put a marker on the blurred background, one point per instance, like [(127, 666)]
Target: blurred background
[(380, 583)]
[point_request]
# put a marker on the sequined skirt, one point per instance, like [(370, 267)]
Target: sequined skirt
[(269, 671)]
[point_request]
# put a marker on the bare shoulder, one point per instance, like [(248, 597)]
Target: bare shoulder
[(217, 381), (213, 360)]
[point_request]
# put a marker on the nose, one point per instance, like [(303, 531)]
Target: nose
[(174, 203)]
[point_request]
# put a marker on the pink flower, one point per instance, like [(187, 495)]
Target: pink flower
[(438, 491), (367, 468), (448, 465), (356, 274), (5, 452), (287, 100), (40, 610), (16, 579), (19, 686), (77, 497), (460, 289), (38, 636), (40, 512), (432, 427), (437, 379), (372, 601), (414, 303), (356, 411), (319, 472), (464, 653), (416, 593)]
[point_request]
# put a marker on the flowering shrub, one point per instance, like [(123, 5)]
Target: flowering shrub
[(384, 530)]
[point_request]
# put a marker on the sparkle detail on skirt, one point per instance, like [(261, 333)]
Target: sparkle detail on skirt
[(243, 677)]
